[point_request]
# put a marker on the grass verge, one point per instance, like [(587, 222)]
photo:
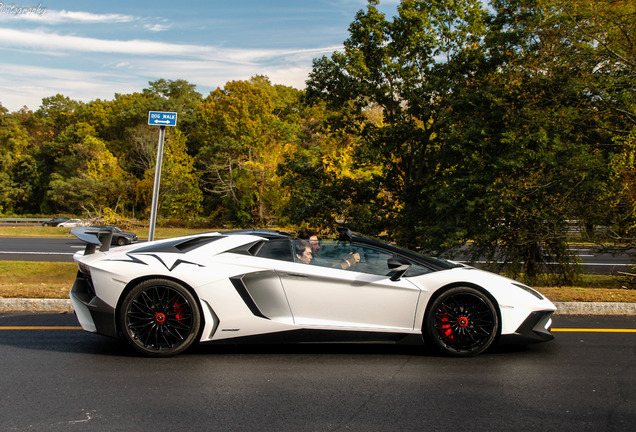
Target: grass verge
[(26, 279)]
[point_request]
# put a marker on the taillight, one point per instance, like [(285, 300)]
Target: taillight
[(84, 269)]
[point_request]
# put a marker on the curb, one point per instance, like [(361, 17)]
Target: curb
[(36, 305), (563, 308), (595, 308)]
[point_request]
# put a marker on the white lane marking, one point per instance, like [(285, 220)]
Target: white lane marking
[(553, 263), (35, 253)]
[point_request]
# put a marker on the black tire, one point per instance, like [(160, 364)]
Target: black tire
[(461, 322), (159, 318), (121, 241)]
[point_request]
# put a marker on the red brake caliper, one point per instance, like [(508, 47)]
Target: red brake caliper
[(445, 325), (177, 310)]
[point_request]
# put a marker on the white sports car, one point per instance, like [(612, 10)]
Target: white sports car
[(163, 296)]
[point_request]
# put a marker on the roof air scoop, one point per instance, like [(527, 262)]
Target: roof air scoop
[(344, 234)]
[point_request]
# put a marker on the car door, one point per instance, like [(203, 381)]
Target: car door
[(361, 297)]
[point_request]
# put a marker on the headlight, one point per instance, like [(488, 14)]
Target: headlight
[(529, 290)]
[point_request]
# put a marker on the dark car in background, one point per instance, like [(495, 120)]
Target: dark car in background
[(120, 237), (55, 221)]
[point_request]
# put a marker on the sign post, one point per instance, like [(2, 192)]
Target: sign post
[(162, 119)]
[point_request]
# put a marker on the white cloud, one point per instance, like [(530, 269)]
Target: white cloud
[(42, 15), (206, 67), (26, 86), (124, 66), (44, 41), (59, 17), (22, 85), (158, 27), (210, 75), (56, 43)]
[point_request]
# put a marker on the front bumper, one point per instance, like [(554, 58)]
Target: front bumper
[(535, 328), (92, 313)]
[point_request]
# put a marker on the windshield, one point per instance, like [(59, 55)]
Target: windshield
[(438, 264)]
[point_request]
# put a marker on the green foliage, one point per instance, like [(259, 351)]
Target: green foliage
[(246, 126), (180, 195), (85, 171), (494, 124), (621, 207), (19, 171), (407, 68)]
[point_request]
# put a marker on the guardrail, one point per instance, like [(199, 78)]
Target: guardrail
[(31, 221)]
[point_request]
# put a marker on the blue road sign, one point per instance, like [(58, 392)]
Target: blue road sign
[(158, 118)]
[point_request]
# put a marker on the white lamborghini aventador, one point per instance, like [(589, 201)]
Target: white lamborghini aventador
[(163, 296)]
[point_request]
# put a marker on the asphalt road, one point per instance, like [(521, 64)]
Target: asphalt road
[(39, 249), (60, 379), (62, 250)]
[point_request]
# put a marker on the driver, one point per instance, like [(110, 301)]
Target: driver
[(303, 252), (348, 261)]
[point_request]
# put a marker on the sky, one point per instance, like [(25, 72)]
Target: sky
[(89, 50)]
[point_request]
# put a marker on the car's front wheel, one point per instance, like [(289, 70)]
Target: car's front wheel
[(461, 322), (159, 318)]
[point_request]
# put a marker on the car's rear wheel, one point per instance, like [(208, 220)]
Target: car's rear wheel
[(159, 318), (461, 322)]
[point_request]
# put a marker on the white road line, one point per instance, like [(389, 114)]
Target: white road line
[(35, 253), (554, 263)]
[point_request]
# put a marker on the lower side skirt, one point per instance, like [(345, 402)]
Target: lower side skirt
[(324, 336)]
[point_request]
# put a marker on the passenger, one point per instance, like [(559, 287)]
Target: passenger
[(312, 238)]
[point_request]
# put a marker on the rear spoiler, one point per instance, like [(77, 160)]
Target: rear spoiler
[(93, 237)]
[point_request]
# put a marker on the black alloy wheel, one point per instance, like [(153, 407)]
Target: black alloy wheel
[(159, 318), (461, 322)]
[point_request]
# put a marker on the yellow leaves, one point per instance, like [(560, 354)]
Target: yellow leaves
[(100, 163), (374, 115), (252, 165), (338, 163), (103, 167)]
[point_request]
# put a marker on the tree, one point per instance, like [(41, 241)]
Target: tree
[(544, 96), (325, 183), (622, 204), (58, 112), (408, 68), (490, 128), (176, 96), (86, 173), (179, 194), (19, 170), (243, 142), (602, 34)]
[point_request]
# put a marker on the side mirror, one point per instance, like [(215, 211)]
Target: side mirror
[(398, 266)]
